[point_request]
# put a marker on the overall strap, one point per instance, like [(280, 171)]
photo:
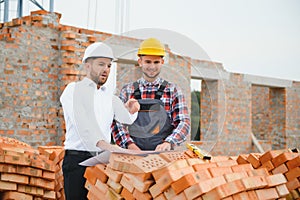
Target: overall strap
[(161, 89), (137, 92)]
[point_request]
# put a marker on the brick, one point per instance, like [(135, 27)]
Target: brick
[(90, 175), (169, 193), (103, 187), (117, 187), (49, 195), (86, 31), (160, 197), (276, 179), (11, 195), (69, 35), (281, 169), (254, 160), (282, 158), (199, 167), (39, 12), (180, 196), (5, 185), (203, 175), (194, 161), (268, 156), (29, 171), (93, 196), (8, 168), (127, 194), (254, 182), (219, 171), (100, 171), (92, 38), (38, 162), (150, 163), (282, 190), (269, 193), (177, 164), (171, 156), (113, 174), (242, 159), (227, 163), (185, 182), (258, 172), (141, 195), (39, 182), (141, 186), (143, 176), (155, 190), (241, 168), (268, 165), (170, 176), (191, 154), (293, 173), (219, 159), (68, 48), (293, 184), (126, 182), (235, 176), (15, 178), (252, 195), (225, 190), (203, 187), (94, 192), (228, 198), (31, 190), (48, 175), (241, 196), (18, 160), (293, 163)]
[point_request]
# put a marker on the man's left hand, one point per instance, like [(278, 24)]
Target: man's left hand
[(166, 146)]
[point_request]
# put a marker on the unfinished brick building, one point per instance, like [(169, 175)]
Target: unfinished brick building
[(39, 56)]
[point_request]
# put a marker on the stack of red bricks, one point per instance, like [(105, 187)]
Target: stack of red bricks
[(30, 174), (179, 175), (278, 162)]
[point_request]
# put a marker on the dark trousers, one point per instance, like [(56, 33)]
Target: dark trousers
[(73, 176)]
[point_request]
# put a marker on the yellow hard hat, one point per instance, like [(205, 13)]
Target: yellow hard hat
[(151, 46)]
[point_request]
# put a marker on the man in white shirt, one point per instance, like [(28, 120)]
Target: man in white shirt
[(89, 108)]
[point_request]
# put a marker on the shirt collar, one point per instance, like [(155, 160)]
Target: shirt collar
[(91, 83), (155, 83)]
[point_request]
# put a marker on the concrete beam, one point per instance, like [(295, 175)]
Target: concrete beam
[(209, 74), (267, 81)]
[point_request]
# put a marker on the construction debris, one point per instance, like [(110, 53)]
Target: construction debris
[(35, 174)]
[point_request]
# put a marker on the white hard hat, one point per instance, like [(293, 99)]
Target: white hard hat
[(98, 49)]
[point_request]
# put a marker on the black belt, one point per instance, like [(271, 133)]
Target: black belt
[(82, 153)]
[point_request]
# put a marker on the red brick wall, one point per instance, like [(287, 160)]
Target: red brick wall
[(260, 112), (29, 80), (39, 56)]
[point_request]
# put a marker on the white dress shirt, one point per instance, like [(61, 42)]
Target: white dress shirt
[(88, 114)]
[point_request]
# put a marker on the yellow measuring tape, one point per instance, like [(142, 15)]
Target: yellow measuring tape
[(202, 154)]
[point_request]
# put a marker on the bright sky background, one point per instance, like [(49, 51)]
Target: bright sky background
[(259, 37)]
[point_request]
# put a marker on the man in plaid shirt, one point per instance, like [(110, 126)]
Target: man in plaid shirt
[(163, 120)]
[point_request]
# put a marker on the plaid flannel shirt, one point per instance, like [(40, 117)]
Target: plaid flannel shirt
[(174, 103)]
